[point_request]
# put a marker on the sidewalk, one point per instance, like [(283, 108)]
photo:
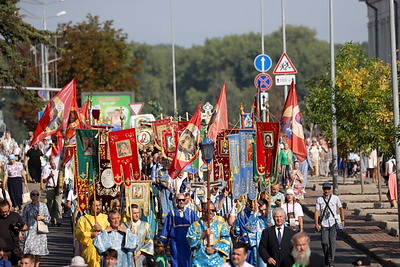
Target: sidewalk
[(365, 235)]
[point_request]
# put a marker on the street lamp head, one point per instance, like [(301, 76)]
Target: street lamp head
[(61, 13), (207, 149)]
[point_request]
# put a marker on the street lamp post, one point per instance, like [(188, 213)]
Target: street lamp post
[(207, 150)]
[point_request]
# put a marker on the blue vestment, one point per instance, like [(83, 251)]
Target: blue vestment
[(164, 193), (175, 229), (240, 231), (255, 226), (120, 241), (221, 242)]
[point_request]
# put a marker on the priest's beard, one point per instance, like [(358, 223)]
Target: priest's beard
[(303, 259)]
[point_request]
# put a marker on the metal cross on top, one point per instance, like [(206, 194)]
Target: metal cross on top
[(208, 110)]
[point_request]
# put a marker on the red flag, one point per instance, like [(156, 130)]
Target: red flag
[(219, 119), (187, 145), (58, 143), (84, 114), (56, 114), (291, 125)]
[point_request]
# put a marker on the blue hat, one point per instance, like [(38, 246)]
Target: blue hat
[(12, 156), (326, 185)]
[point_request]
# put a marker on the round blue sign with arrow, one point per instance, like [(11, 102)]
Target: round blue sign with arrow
[(262, 63), (263, 81)]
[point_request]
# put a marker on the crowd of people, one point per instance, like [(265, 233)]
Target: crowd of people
[(190, 230)]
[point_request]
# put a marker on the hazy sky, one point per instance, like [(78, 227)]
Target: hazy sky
[(195, 20)]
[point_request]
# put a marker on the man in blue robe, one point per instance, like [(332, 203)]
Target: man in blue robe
[(198, 236), (116, 237), (240, 231), (257, 222), (175, 229)]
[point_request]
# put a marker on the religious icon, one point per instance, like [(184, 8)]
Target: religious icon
[(170, 143), (249, 150), (224, 146), (187, 146), (137, 192), (123, 148), (56, 115), (88, 146), (268, 140)]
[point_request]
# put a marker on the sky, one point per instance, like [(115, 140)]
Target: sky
[(149, 21)]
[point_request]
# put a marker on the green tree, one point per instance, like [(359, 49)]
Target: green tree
[(363, 101), (98, 56)]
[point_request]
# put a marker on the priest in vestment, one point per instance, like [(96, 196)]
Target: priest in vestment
[(220, 242), (116, 237), (145, 246), (240, 230), (175, 229), (87, 228)]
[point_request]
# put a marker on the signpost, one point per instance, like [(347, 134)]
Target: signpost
[(262, 63), (285, 79), (263, 81), (285, 66)]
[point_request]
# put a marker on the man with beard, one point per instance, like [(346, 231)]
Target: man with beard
[(301, 255)]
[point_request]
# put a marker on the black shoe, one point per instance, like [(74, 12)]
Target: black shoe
[(58, 224)]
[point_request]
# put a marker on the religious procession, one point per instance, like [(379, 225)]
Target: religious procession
[(166, 192)]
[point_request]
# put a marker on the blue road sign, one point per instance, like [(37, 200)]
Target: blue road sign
[(262, 63), (263, 81)]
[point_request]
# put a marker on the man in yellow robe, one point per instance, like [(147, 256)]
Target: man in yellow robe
[(87, 228)]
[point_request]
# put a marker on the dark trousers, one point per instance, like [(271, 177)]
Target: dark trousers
[(54, 204), (328, 241)]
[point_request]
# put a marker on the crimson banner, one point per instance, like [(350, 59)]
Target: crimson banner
[(221, 155), (124, 156)]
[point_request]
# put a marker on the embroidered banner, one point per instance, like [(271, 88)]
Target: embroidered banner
[(87, 142), (234, 153), (221, 156), (246, 142), (267, 138), (124, 156)]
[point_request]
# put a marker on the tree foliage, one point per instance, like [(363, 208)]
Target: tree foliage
[(98, 56), (363, 101), (201, 70)]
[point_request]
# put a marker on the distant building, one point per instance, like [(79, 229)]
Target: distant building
[(379, 28)]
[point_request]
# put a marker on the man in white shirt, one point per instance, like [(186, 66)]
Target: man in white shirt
[(4, 193), (50, 178), (326, 221), (238, 257)]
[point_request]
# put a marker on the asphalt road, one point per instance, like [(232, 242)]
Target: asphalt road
[(345, 253)]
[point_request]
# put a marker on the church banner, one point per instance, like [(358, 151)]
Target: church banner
[(221, 156), (124, 156), (267, 138), (246, 142), (158, 127), (87, 142), (234, 153)]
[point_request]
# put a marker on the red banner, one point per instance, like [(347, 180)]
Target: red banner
[(221, 155), (267, 140), (124, 156), (158, 127)]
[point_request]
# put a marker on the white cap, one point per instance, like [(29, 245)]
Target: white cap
[(78, 261), (289, 191)]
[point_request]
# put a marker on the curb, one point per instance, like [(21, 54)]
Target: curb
[(349, 238)]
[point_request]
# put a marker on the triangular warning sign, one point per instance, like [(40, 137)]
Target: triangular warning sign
[(136, 108), (284, 66)]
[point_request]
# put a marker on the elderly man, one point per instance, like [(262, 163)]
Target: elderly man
[(116, 237), (145, 245), (239, 255), (175, 229), (325, 220), (302, 256), (275, 246), (209, 245), (50, 178)]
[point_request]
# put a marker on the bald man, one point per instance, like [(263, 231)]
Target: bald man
[(176, 225)]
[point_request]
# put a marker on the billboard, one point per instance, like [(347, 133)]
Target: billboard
[(110, 104)]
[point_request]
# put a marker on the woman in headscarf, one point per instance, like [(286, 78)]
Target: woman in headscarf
[(13, 178)]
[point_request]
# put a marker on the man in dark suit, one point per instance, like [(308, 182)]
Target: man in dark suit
[(275, 244), (302, 255)]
